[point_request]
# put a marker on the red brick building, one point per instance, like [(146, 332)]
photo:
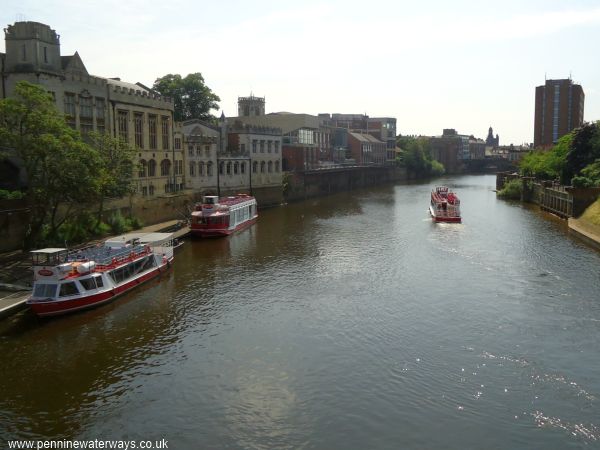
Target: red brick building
[(367, 149), (558, 111)]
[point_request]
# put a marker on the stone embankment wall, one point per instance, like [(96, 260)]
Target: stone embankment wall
[(317, 183), (564, 201)]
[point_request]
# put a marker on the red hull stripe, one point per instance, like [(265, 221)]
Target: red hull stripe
[(53, 308), (216, 232)]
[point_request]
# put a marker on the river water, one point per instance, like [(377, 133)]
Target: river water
[(349, 322)]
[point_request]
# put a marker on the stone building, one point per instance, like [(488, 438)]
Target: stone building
[(130, 111), (252, 159), (200, 148)]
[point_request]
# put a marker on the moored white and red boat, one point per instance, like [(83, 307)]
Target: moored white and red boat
[(67, 281), (444, 205), (223, 216)]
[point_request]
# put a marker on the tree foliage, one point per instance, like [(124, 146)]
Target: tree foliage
[(57, 163), (193, 99), (416, 156), (569, 159), (114, 169)]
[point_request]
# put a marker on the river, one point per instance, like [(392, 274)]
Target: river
[(350, 321)]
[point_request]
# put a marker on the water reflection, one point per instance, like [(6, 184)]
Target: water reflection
[(343, 322)]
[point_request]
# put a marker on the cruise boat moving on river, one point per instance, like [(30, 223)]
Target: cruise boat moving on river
[(67, 281), (444, 206), (223, 216)]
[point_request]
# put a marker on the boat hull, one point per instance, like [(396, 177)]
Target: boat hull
[(221, 232), (449, 219), (58, 307)]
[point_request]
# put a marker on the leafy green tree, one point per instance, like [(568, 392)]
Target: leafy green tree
[(584, 150), (58, 164), (550, 164), (193, 99), (114, 170), (416, 156)]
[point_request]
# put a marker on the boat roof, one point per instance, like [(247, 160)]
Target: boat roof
[(144, 238), (49, 250)]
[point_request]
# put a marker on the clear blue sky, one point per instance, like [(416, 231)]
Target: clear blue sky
[(431, 64)]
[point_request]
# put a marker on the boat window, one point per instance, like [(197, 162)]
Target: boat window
[(99, 282), (88, 283), (45, 290), (67, 289)]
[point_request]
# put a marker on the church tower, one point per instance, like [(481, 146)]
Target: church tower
[(32, 47), (251, 106)]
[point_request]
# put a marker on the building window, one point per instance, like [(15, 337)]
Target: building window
[(180, 167), (151, 190), (262, 146), (209, 169), (243, 167), (270, 166), (142, 168), (269, 144), (262, 167), (207, 150), (192, 169), (144, 191), (46, 54), (70, 104), (276, 166), (177, 143), (165, 167), (229, 168), (151, 168), (165, 133), (276, 146), (201, 169), (221, 168), (191, 149), (138, 121), (243, 148), (24, 52), (152, 131), (254, 144), (236, 168), (255, 167), (122, 118), (100, 115), (85, 108)]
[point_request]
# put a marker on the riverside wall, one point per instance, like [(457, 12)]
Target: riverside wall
[(321, 182), (564, 201)]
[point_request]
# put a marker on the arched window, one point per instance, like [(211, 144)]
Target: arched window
[(201, 169), (165, 167), (192, 169), (152, 171), (255, 167), (142, 168), (276, 166), (270, 166), (221, 168), (209, 169), (229, 168), (262, 167), (236, 166), (243, 167), (151, 190)]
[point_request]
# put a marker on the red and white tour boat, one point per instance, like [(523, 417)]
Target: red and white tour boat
[(222, 217), (67, 281), (444, 206)]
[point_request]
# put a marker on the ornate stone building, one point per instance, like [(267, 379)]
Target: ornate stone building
[(130, 111)]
